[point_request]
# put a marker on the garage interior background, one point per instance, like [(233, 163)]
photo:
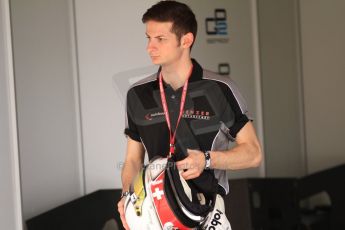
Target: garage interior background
[(74, 60)]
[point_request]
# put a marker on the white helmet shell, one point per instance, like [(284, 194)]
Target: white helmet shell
[(147, 220), (150, 205)]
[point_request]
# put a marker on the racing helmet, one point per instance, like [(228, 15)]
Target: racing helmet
[(161, 199)]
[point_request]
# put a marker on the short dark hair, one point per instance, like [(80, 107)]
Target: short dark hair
[(178, 13)]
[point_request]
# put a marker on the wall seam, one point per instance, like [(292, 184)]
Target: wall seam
[(258, 86), (301, 105), (77, 96), (12, 116)]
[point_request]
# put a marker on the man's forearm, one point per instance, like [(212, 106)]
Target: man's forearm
[(129, 171), (240, 157), (246, 154)]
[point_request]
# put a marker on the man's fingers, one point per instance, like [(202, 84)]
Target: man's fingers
[(190, 174), (181, 165), (186, 174), (120, 208), (124, 223)]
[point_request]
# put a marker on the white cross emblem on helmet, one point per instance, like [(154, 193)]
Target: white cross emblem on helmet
[(158, 193)]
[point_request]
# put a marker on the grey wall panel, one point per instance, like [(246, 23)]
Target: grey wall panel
[(323, 48), (46, 103), (282, 111)]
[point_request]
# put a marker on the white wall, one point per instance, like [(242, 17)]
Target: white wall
[(10, 208), (111, 39), (323, 52), (47, 121)]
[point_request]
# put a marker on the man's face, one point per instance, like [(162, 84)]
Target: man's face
[(163, 46)]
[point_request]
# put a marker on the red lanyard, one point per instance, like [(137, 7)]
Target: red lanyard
[(166, 112)]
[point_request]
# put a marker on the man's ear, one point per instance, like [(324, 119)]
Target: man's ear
[(187, 40)]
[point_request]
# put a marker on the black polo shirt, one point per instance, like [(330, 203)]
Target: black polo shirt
[(214, 113)]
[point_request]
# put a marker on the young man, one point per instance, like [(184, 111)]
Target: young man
[(212, 113)]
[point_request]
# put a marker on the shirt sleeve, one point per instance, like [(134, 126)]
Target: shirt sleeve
[(238, 105), (131, 129)]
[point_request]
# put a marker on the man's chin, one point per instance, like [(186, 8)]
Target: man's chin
[(156, 61)]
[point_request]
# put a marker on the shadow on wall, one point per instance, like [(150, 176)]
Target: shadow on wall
[(123, 80)]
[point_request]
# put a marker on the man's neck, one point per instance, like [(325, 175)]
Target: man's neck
[(176, 74)]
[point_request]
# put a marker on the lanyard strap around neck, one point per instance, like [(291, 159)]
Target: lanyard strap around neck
[(166, 111)]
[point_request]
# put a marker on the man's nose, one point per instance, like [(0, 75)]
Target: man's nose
[(150, 46)]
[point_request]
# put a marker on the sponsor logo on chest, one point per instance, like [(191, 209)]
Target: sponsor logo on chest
[(187, 114)]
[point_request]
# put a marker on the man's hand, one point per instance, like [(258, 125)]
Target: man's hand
[(193, 165), (133, 162), (121, 209)]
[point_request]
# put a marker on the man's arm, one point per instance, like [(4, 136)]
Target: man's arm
[(133, 162), (246, 154)]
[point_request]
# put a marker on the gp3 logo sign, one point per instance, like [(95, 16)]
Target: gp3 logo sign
[(217, 25)]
